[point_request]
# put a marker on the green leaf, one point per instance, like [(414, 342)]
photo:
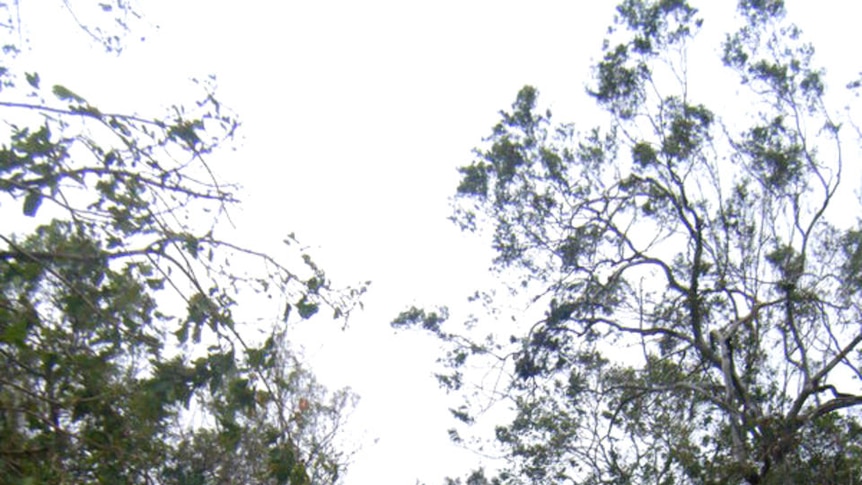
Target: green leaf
[(32, 203), (64, 94), (32, 79), (182, 333), (15, 333), (192, 244), (186, 131), (87, 109), (241, 393), (306, 308), (281, 463)]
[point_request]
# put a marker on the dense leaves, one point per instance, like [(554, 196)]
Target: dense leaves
[(122, 359), (703, 305)]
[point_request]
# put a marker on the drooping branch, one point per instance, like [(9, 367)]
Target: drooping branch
[(85, 111)]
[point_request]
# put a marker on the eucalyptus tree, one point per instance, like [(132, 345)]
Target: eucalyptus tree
[(700, 276), (121, 358)]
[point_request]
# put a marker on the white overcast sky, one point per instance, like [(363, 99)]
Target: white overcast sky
[(355, 116)]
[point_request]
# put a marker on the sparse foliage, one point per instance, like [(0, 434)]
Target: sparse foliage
[(121, 359), (702, 286)]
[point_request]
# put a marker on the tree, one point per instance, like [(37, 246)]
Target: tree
[(289, 438), (702, 290), (122, 358)]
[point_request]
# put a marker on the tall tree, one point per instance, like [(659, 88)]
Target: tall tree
[(121, 360), (702, 290)]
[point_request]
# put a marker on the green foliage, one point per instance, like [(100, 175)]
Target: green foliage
[(121, 359), (277, 423), (430, 321), (63, 94), (702, 321)]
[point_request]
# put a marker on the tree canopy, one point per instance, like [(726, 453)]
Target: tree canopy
[(122, 359), (699, 273)]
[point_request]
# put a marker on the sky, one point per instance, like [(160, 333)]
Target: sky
[(355, 116)]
